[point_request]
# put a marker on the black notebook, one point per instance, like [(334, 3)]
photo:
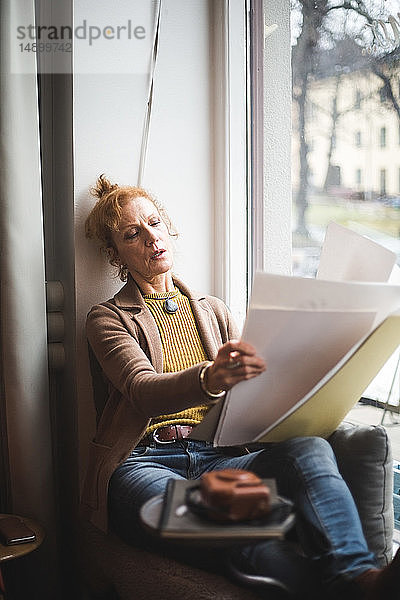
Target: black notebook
[(178, 521)]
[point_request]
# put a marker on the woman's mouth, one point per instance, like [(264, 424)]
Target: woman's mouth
[(157, 254)]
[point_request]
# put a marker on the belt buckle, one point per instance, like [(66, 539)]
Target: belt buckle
[(155, 438)]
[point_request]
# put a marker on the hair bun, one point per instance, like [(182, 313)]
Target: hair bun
[(103, 187)]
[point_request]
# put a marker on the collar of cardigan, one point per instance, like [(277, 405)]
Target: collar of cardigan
[(130, 295)]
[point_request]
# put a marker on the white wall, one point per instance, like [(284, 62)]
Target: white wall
[(108, 116)]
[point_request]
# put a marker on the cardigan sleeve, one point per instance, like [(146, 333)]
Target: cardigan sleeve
[(128, 368), (226, 322)]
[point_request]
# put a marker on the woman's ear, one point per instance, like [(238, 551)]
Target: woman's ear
[(115, 260), (113, 255)]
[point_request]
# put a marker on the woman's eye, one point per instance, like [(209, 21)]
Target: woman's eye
[(131, 236), (155, 223)]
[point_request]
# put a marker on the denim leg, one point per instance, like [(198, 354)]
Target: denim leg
[(305, 470), (329, 526), (143, 475), (272, 559)]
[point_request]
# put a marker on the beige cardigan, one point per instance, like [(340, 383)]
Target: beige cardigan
[(125, 340)]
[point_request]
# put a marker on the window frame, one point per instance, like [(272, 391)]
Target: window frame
[(230, 156), (253, 194), (270, 135)]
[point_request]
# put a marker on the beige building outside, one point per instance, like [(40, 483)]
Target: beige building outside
[(353, 135)]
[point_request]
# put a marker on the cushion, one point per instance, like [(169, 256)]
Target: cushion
[(110, 565), (364, 458)]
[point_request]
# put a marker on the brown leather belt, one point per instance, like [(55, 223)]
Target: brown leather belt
[(167, 434)]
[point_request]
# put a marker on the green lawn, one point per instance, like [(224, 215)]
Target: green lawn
[(374, 215)]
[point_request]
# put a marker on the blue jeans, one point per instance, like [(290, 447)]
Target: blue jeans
[(305, 469)]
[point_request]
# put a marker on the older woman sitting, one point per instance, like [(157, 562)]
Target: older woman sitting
[(167, 354)]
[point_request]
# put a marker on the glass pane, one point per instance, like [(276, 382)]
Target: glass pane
[(346, 125)]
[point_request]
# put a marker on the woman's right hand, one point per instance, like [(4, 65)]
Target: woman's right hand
[(235, 361)]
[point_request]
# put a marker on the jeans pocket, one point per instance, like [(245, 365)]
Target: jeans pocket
[(139, 451)]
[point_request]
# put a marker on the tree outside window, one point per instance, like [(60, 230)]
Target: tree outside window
[(347, 77)]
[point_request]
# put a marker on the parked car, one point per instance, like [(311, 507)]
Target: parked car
[(390, 200)]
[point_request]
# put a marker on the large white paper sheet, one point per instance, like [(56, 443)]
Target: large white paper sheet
[(302, 328), (348, 256), (287, 292), (315, 335), (394, 278)]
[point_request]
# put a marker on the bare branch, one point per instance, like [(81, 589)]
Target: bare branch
[(388, 86), (361, 10)]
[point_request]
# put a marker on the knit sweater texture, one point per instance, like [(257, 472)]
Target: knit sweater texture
[(182, 348)]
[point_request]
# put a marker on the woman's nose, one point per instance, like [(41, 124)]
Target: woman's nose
[(151, 237)]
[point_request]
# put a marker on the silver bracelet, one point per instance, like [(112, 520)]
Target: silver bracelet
[(202, 377)]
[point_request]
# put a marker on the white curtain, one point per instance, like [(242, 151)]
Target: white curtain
[(23, 306)]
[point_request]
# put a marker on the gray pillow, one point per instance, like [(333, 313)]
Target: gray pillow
[(364, 458)]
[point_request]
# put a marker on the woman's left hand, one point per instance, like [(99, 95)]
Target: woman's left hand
[(235, 361)]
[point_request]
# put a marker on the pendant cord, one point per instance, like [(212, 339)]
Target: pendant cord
[(146, 125)]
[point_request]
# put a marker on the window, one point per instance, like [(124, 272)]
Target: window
[(357, 101), (311, 110), (382, 182), (355, 87), (344, 79), (345, 82), (383, 94), (382, 137)]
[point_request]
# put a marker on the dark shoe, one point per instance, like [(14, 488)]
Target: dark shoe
[(277, 566), (379, 584)]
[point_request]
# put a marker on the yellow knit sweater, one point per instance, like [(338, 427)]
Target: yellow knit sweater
[(182, 348)]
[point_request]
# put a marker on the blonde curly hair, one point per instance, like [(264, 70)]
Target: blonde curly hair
[(105, 216)]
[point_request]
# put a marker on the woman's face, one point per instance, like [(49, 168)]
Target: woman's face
[(143, 242)]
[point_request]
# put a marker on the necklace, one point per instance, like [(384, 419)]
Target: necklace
[(169, 304)]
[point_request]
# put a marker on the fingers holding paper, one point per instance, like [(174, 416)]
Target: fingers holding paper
[(236, 361)]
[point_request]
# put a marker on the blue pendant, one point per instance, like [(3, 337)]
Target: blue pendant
[(170, 306)]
